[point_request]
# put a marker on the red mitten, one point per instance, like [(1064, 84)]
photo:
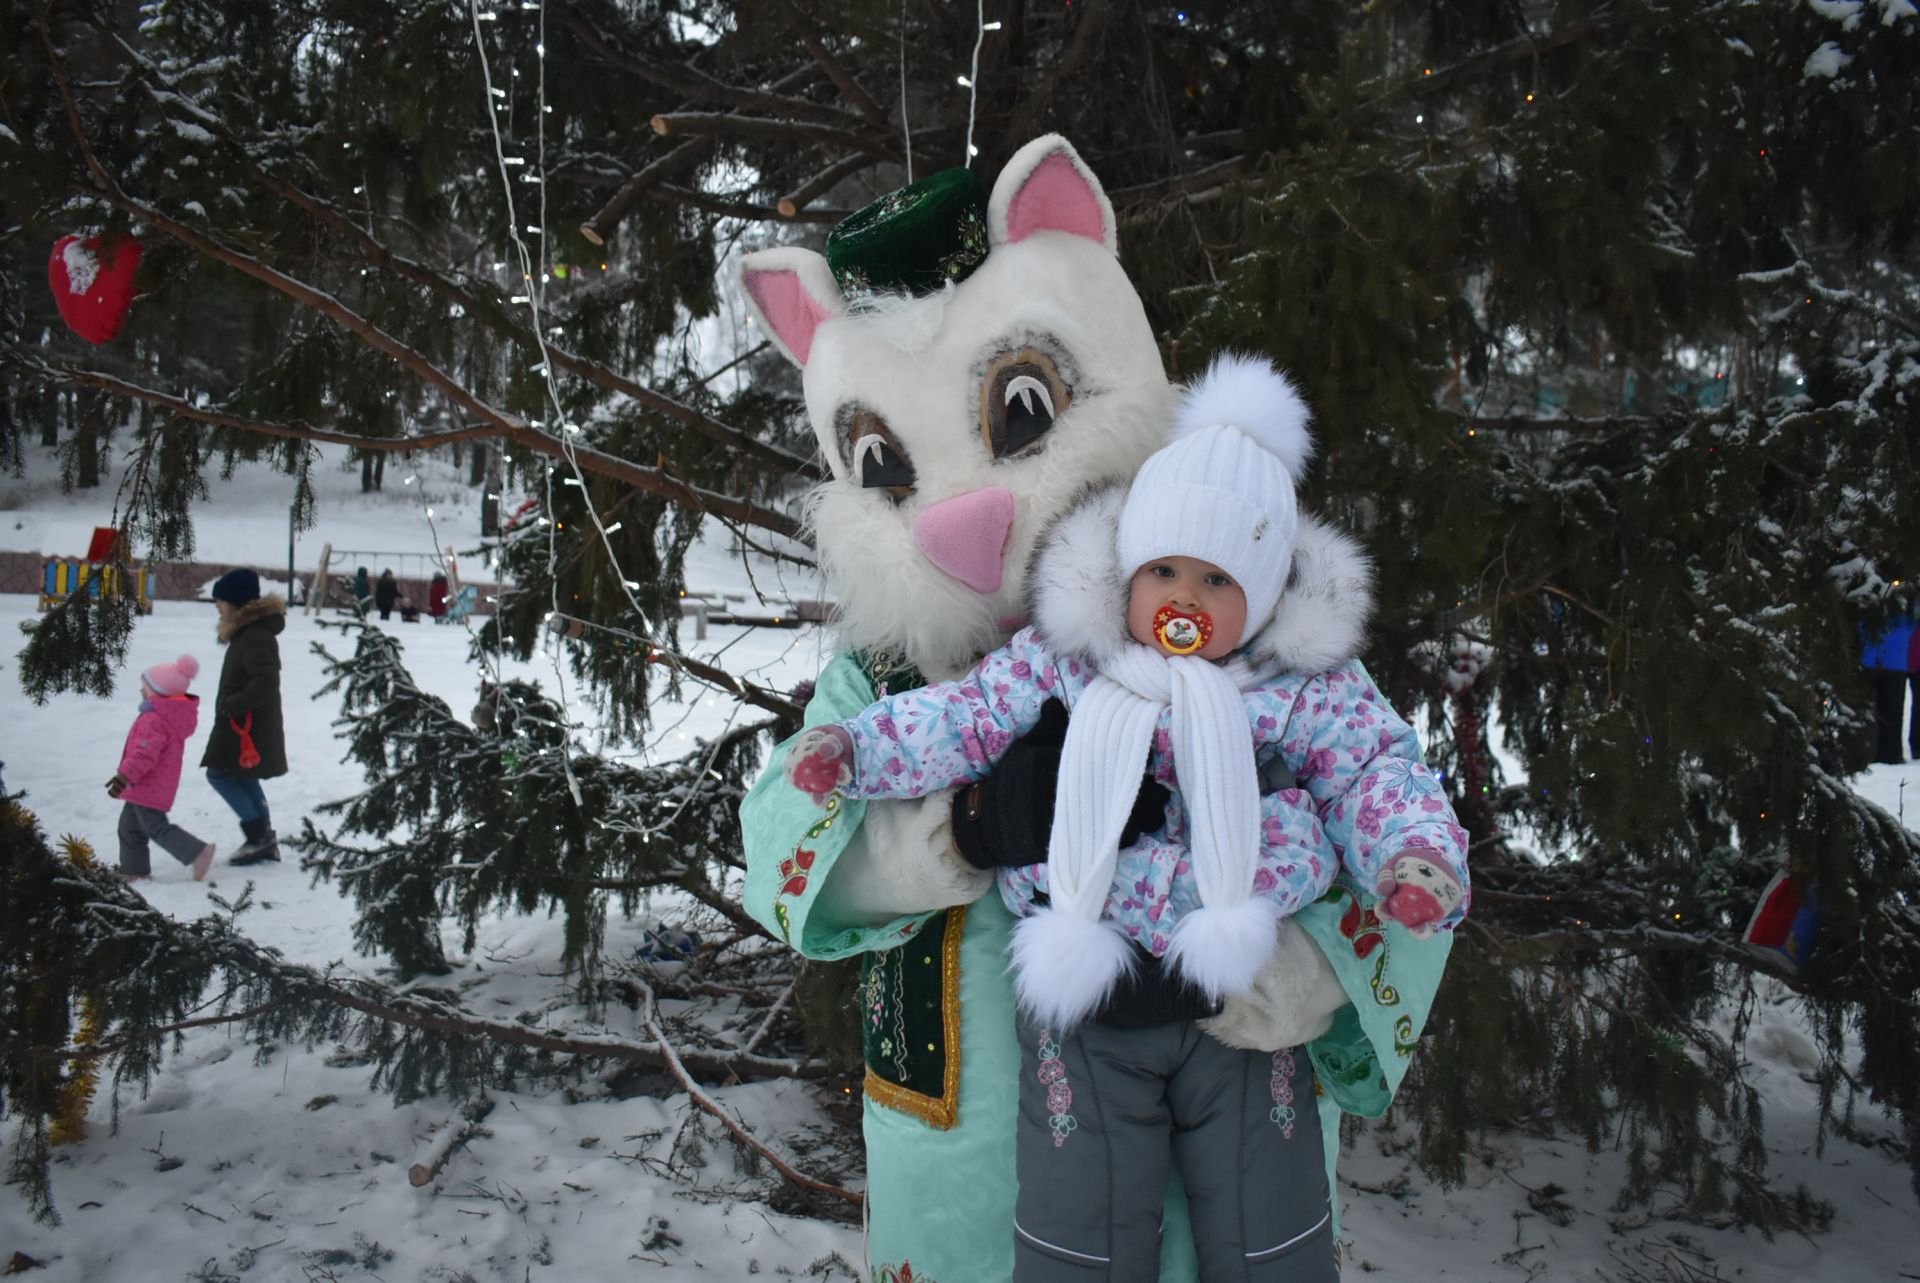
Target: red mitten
[(821, 762), (1417, 892), (249, 752)]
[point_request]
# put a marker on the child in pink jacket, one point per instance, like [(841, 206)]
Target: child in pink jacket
[(149, 773)]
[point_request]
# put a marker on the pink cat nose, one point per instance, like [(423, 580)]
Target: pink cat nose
[(966, 536)]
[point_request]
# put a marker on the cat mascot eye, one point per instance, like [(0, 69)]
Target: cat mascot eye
[(1021, 397), (875, 458)]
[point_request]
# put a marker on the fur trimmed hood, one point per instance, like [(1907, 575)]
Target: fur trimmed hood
[(272, 606), (1078, 592)]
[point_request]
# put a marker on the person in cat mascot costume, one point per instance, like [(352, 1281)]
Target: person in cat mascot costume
[(972, 367)]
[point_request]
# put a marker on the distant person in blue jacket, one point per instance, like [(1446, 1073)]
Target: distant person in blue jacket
[(1892, 659)]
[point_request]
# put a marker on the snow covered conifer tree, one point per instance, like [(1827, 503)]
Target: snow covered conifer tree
[(1606, 310)]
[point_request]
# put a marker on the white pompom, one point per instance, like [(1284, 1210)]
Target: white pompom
[(1066, 966), (1249, 393), (1221, 950)]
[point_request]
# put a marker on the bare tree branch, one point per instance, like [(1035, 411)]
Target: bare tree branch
[(696, 85), (723, 125), (739, 1133), (652, 480), (601, 225), (859, 97), (800, 197), (736, 209)]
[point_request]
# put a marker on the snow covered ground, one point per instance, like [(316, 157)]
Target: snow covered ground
[(268, 1164), (246, 519)]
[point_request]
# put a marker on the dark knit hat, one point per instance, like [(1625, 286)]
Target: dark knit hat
[(237, 587), (916, 239)]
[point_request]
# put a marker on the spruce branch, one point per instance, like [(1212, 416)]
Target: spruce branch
[(510, 426), (379, 254), (1804, 275), (842, 79), (712, 124), (652, 480), (601, 225), (690, 82)]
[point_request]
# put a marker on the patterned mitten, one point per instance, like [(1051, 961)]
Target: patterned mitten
[(821, 762), (1417, 892)]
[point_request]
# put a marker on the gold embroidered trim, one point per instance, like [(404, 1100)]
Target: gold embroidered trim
[(941, 1111)]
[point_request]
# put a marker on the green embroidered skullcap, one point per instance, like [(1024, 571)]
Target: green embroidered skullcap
[(915, 239)]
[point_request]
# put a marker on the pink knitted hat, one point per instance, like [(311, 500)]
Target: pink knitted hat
[(171, 679)]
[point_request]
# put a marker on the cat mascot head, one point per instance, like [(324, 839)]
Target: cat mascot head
[(960, 415)]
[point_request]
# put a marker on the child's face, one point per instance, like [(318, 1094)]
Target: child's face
[(1192, 587)]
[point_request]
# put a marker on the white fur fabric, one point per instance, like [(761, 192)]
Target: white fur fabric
[(916, 365), (1248, 393), (1079, 594), (900, 861), (1292, 1000)]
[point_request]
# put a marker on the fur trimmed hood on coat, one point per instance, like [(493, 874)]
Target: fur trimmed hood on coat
[(1078, 592), (269, 607)]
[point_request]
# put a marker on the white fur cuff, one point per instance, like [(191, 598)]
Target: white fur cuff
[(901, 861), (1293, 999)]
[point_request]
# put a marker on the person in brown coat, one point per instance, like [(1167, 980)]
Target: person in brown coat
[(248, 742)]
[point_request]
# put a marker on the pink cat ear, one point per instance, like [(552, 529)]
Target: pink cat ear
[(792, 293), (1046, 187)]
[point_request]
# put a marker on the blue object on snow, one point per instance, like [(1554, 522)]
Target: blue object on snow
[(1892, 649), (663, 943)]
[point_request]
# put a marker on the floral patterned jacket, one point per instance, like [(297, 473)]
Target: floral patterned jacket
[(1359, 794)]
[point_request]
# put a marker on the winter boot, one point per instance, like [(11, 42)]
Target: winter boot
[(202, 863), (260, 846)]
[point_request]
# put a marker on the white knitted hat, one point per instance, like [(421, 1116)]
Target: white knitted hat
[(1222, 490)]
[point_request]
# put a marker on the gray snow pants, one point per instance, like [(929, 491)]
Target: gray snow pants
[(141, 824), (1102, 1113)]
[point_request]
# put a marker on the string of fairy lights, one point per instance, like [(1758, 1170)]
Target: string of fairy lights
[(534, 300), (535, 275)]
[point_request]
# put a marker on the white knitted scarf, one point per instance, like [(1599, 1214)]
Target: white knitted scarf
[(1066, 959)]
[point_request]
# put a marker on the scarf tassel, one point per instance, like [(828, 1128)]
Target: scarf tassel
[(1220, 949), (1065, 966)]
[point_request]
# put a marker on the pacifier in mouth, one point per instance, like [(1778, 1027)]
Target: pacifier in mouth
[(1181, 633)]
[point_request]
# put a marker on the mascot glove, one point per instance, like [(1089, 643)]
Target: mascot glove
[(1417, 892), (820, 763), (1292, 1001)]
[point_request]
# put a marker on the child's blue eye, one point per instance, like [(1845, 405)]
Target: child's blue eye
[(1219, 581), (1163, 572)]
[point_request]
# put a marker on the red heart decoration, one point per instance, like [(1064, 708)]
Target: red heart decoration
[(92, 283)]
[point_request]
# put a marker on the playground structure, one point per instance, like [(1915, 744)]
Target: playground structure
[(332, 583), (67, 577), (98, 573)]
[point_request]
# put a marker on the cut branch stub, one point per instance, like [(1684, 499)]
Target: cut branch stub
[(601, 225)]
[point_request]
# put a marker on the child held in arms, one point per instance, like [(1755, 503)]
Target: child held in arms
[(1139, 916)]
